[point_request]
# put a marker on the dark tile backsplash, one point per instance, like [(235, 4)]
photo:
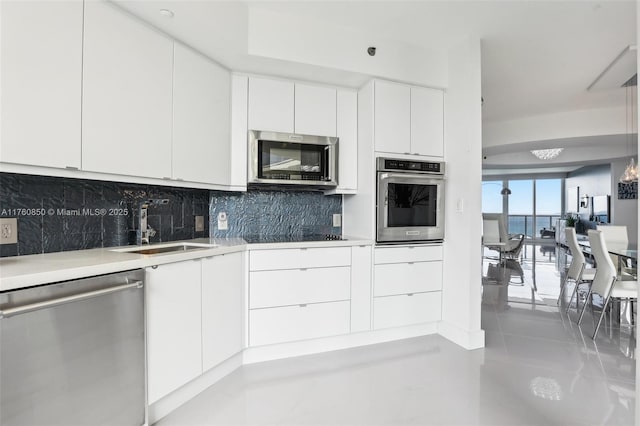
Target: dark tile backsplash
[(274, 212), (59, 214)]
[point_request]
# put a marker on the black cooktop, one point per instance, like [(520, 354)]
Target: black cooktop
[(256, 239)]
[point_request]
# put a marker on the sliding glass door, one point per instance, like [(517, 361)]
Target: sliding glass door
[(531, 208)]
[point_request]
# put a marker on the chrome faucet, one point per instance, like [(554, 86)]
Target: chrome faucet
[(147, 231)]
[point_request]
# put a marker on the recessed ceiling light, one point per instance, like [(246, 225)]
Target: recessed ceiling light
[(166, 12)]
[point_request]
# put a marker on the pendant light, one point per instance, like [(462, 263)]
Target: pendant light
[(630, 173)]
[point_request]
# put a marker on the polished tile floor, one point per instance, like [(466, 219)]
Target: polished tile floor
[(538, 368)]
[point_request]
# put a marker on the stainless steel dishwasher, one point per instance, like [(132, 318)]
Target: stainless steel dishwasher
[(73, 353)]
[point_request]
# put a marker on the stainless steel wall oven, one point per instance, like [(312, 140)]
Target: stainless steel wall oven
[(410, 201)]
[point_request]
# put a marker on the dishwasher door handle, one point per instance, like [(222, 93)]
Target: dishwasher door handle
[(6, 313)]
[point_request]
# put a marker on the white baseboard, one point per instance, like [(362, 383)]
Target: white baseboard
[(175, 399), (327, 344), (467, 339)]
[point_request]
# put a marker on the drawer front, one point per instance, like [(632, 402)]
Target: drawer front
[(295, 286), (264, 260), (291, 323), (407, 254), (403, 278), (398, 311)]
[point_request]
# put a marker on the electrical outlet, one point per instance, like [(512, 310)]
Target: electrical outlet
[(222, 221), (337, 220), (8, 230), (199, 223)]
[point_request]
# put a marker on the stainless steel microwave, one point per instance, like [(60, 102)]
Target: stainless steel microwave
[(284, 158), (410, 201)]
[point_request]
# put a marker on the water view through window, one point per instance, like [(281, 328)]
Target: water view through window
[(538, 200)]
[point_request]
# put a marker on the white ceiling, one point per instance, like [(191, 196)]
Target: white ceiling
[(538, 57)]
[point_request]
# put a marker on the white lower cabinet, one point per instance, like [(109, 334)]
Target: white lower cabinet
[(407, 286), (298, 294), (296, 286), (410, 277), (194, 319), (222, 317), (406, 309), (174, 334), (298, 322), (360, 288)]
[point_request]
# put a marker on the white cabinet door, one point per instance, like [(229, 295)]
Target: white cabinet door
[(392, 117), (315, 110), (174, 349), (347, 131), (316, 257), (271, 105), (222, 308), (127, 101), (402, 310), (360, 288), (427, 121), (299, 322), (41, 70), (201, 118), (239, 129), (404, 278), (295, 286)]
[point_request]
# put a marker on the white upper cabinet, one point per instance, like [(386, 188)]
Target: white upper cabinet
[(427, 121), (315, 110), (392, 120), (408, 120), (201, 118), (127, 95), (239, 127), (347, 132), (41, 69), (271, 105)]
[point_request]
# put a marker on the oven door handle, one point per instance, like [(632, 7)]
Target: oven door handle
[(384, 176)]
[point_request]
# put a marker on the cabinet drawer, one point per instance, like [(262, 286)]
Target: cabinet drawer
[(407, 254), (289, 323), (398, 311), (295, 286), (262, 260), (402, 278)]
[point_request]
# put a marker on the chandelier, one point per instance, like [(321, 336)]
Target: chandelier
[(547, 154)]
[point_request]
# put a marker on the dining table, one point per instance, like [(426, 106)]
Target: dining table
[(624, 251)]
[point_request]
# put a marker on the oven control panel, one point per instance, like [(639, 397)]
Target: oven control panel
[(393, 164)]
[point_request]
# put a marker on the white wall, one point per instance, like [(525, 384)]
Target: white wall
[(592, 180), (461, 295), (623, 212)]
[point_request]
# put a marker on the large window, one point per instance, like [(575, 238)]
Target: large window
[(491, 197), (533, 205), (520, 207), (548, 203)]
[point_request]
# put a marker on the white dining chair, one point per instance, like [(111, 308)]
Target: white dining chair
[(606, 283), (618, 235), (509, 245), (614, 233), (577, 272)]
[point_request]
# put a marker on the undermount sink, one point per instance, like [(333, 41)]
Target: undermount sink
[(169, 248)]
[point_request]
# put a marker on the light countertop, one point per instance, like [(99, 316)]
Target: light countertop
[(26, 271)]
